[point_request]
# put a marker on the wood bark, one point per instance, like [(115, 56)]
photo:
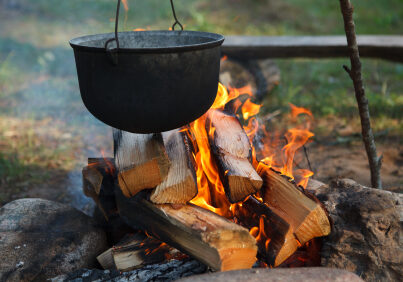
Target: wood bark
[(307, 217), (281, 242), (180, 185), (232, 152), (362, 101), (210, 238), (141, 161)]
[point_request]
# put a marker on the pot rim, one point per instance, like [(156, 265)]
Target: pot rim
[(214, 41)]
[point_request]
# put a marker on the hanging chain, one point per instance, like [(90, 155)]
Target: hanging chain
[(176, 19)]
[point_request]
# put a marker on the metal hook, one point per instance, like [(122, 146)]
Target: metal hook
[(176, 19), (113, 52)]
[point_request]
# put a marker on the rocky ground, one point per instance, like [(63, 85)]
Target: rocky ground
[(41, 239)]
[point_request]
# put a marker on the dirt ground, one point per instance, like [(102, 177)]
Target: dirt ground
[(350, 161)]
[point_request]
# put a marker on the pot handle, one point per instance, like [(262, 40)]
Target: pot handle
[(176, 19), (113, 52)]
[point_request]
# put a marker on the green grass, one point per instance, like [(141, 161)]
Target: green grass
[(227, 16), (325, 88)]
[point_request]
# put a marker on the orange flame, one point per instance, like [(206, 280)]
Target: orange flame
[(296, 111), (249, 109), (273, 153)]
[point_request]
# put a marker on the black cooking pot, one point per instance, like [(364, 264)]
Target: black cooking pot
[(155, 81)]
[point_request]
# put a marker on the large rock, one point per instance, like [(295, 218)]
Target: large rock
[(366, 237), (40, 239), (301, 274)]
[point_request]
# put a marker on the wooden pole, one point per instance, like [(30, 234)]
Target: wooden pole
[(375, 162)]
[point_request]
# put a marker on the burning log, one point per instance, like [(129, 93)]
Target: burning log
[(141, 160), (276, 240), (307, 217), (134, 252), (206, 236), (180, 184), (232, 151)]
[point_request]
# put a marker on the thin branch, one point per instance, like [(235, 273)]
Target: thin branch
[(375, 162), (307, 158)]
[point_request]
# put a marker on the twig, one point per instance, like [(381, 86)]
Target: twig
[(375, 162), (307, 159)]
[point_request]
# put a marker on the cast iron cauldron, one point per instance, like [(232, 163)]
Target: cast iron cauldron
[(154, 82)]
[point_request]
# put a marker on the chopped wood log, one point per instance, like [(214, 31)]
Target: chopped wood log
[(208, 237), (281, 242), (307, 217), (180, 185), (232, 151), (141, 160), (97, 179), (134, 252)]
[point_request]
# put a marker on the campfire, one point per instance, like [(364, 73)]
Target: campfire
[(223, 189)]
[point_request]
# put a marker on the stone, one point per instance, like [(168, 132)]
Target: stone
[(167, 271), (366, 235), (302, 274), (40, 239)]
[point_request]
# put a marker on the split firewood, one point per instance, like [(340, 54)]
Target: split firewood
[(133, 252), (204, 235), (180, 185), (141, 161), (232, 151), (307, 217), (98, 172), (275, 237)]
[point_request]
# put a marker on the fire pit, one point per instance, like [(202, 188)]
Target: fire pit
[(201, 189)]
